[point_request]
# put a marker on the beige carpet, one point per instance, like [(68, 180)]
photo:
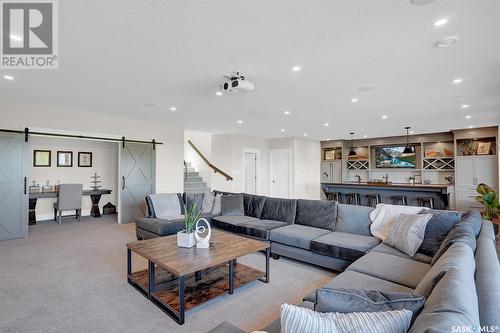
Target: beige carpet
[(72, 278)]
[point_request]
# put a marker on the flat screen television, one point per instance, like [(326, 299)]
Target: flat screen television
[(393, 157)]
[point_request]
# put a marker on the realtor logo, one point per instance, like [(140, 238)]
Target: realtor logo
[(29, 34)]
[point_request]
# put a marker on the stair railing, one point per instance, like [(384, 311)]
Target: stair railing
[(207, 162)]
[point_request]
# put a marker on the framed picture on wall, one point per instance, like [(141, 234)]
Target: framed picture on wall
[(41, 158), (483, 148), (65, 159), (84, 159)]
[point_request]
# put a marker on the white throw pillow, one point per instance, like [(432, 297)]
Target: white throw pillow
[(407, 232), (217, 208), (295, 319), (208, 202)]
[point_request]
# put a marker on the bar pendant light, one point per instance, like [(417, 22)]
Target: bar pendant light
[(352, 152), (408, 148)]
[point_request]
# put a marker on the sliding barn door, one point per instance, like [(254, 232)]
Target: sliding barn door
[(137, 171), (13, 187)]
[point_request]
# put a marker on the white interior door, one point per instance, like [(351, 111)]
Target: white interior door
[(280, 173), (250, 161)]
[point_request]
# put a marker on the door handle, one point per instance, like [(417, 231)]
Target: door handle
[(123, 182), (25, 185)]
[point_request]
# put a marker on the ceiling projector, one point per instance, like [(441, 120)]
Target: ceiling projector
[(235, 83)]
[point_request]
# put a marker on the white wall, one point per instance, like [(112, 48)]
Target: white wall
[(204, 143), (104, 163), (169, 157), (307, 178)]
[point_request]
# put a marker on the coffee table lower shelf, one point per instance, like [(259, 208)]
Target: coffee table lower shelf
[(198, 288)]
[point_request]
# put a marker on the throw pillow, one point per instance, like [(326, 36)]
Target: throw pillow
[(407, 233), (360, 300), (216, 210), (232, 205), (296, 319), (474, 219), (208, 202), (461, 233), (438, 227), (194, 199)]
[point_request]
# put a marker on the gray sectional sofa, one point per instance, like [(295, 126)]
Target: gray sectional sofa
[(461, 283)]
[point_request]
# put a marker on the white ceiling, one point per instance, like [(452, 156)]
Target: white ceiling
[(117, 55)]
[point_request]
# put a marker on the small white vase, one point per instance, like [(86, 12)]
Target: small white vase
[(185, 240)]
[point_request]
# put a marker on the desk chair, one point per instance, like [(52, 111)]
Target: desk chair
[(70, 198)]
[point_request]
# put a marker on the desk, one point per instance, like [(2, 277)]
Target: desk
[(95, 196)]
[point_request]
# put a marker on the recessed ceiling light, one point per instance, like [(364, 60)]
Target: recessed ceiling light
[(305, 134), (296, 69), (219, 93), (468, 117), (286, 112), (457, 81), (385, 116), (326, 124), (354, 100), (470, 126), (8, 77), (445, 42), (440, 22), (411, 132), (328, 139), (365, 136), (15, 37), (465, 106), (239, 121), (282, 130), (173, 108)]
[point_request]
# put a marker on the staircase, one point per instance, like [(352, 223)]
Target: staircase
[(193, 183)]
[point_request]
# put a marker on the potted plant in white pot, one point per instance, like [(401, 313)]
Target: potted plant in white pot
[(185, 238)]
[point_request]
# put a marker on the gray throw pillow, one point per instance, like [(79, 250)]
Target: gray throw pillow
[(438, 227), (208, 202), (361, 300), (194, 198), (232, 205), (407, 232), (216, 209), (461, 233)]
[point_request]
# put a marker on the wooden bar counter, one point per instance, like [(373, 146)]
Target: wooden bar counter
[(440, 192)]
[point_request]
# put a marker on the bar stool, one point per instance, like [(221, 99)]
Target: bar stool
[(334, 196), (373, 198), (399, 200), (426, 202), (353, 198)]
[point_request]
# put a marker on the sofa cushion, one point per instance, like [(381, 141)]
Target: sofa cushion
[(356, 280), (296, 235), (232, 205), (461, 233), (384, 248), (353, 219), (253, 204), (161, 227), (408, 232), (488, 282), (194, 198), (438, 227), (344, 245), (316, 213), (453, 303), (458, 254), (259, 228), (363, 300), (384, 266), (229, 222), (279, 210)]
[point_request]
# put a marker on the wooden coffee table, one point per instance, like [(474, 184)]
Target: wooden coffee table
[(178, 279)]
